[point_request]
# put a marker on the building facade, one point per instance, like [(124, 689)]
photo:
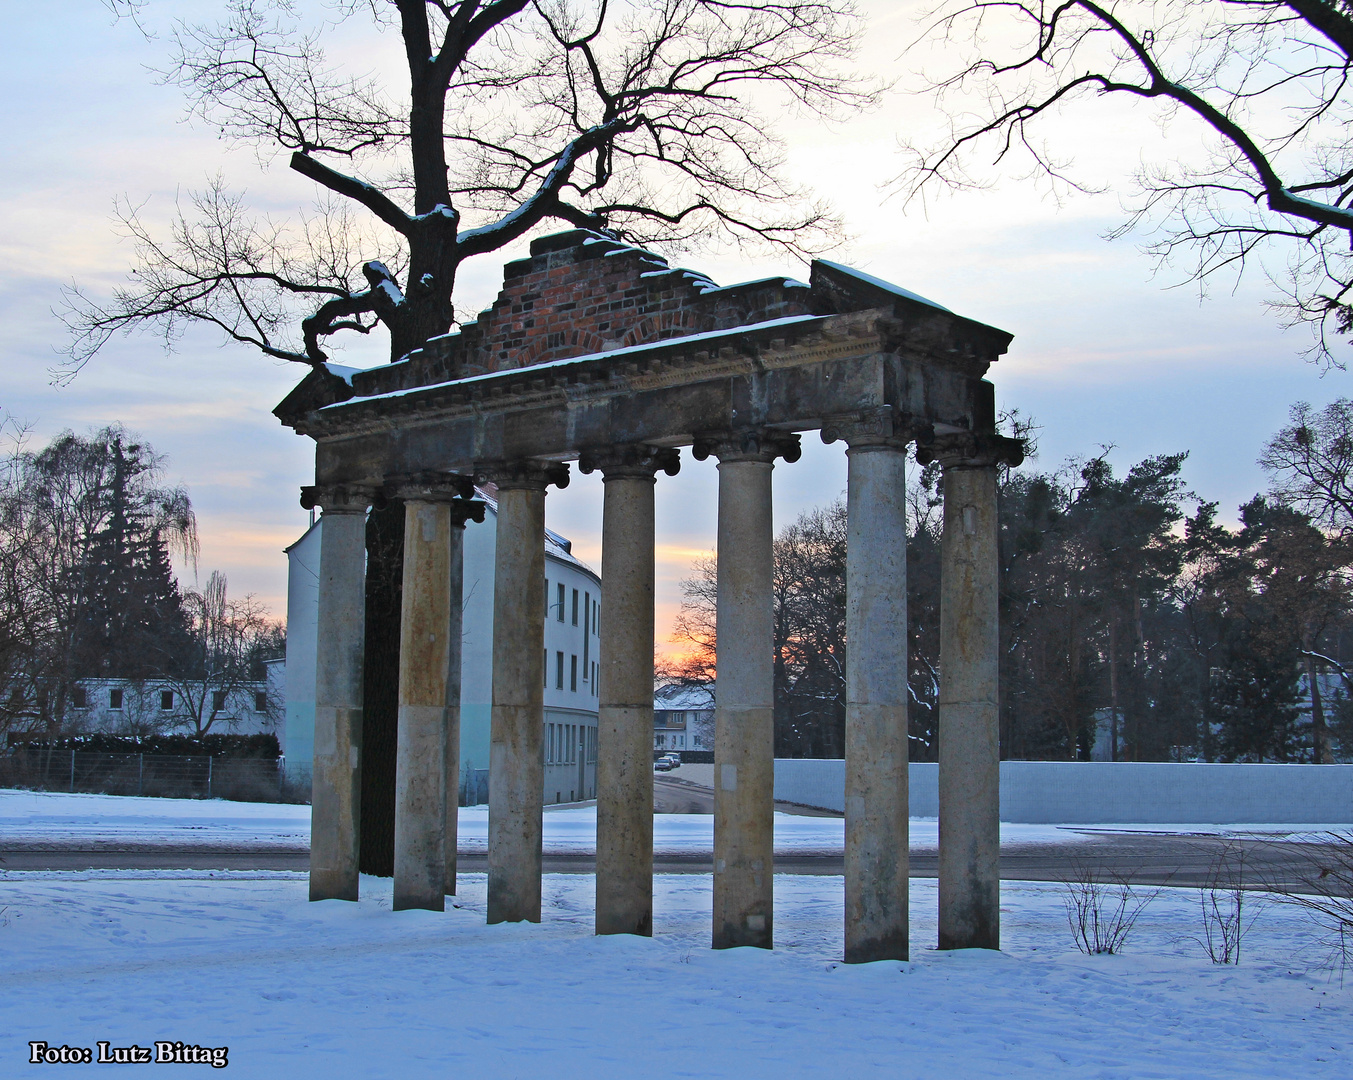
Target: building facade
[(683, 719), (155, 707), (572, 609)]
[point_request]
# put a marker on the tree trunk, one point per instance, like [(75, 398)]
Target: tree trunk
[(380, 687), (1319, 733), (421, 317), (1113, 688)]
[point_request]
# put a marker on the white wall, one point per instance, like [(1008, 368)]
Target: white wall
[(142, 713), (298, 739), (1095, 792)]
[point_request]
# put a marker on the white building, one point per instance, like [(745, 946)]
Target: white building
[(153, 706), (573, 593), (683, 718)]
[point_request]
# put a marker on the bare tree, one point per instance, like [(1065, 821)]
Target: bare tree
[(221, 670), (607, 114), (59, 507), (696, 627), (1310, 463), (1264, 83)]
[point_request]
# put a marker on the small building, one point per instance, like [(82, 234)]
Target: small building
[(573, 605), (683, 718), (157, 706)]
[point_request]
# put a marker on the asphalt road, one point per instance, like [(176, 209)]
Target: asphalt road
[(1137, 857)]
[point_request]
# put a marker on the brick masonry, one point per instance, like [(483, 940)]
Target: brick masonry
[(582, 292)]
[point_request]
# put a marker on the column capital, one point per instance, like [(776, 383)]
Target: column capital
[(630, 460), (524, 473), (431, 487), (971, 450), (339, 498), (875, 429), (747, 444)]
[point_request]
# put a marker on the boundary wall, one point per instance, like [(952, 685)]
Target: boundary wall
[(1122, 792)]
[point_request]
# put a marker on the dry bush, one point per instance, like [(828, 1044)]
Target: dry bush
[(1224, 901), (1325, 890), (1102, 908)]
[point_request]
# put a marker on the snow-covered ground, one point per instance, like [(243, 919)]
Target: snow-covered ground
[(338, 990), (32, 817), (36, 816)]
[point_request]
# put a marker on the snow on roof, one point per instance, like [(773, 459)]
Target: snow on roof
[(879, 283), (681, 696), (557, 547), (556, 364)]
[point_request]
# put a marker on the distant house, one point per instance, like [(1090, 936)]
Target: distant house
[(153, 706), (683, 718)]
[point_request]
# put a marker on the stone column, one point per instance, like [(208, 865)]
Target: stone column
[(428, 740), (335, 794), (969, 720), (625, 708), (876, 836), (516, 760), (744, 733)]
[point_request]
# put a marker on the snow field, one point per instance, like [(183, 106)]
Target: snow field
[(338, 990)]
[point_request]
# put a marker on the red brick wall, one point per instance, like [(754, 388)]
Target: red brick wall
[(579, 293)]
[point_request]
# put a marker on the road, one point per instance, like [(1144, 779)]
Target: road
[(672, 795), (1139, 857)]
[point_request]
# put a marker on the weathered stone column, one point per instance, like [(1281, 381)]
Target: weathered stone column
[(625, 705), (876, 847), (428, 743), (744, 727), (516, 760), (335, 794), (969, 719)]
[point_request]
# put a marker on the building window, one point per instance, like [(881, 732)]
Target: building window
[(115, 699), (573, 674), (545, 667), (79, 699), (596, 629), (558, 671), (166, 700), (560, 616), (260, 701), (595, 690), (575, 607), (217, 700)]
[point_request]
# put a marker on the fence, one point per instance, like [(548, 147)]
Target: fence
[(1119, 792), (166, 775)]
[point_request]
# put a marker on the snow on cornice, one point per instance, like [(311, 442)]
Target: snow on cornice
[(879, 283), (555, 365)]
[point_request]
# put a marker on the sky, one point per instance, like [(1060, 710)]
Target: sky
[(1107, 351)]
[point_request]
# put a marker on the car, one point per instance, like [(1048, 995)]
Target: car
[(675, 759), (662, 765)]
